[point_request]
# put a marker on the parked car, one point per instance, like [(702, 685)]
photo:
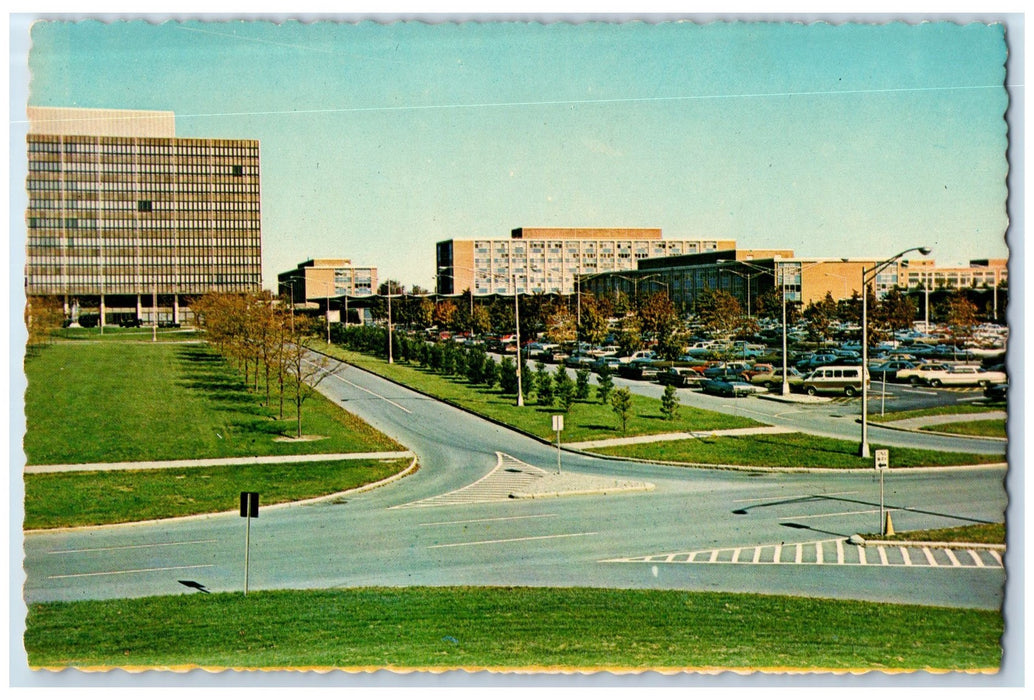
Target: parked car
[(638, 370), (833, 379), (819, 360), (610, 362), (888, 371), (915, 375), (996, 392), (773, 378), (964, 375), (638, 355), (733, 387), (735, 368), (680, 376), (579, 360)]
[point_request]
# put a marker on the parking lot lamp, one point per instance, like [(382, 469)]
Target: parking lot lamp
[(868, 275)]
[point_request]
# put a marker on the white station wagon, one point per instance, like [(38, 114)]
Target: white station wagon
[(964, 375)]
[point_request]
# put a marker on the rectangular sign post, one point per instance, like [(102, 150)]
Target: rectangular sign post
[(881, 458), (249, 510), (558, 425)]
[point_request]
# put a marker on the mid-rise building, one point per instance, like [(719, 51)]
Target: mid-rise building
[(549, 260), (128, 219), (320, 278)]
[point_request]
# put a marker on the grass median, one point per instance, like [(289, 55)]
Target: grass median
[(787, 450), (76, 499), (126, 401), (983, 533), (509, 628), (586, 420)]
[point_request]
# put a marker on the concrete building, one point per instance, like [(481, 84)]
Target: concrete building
[(319, 278), (746, 274), (123, 214), (548, 260)]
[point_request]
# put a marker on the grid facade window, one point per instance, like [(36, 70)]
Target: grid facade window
[(131, 215)]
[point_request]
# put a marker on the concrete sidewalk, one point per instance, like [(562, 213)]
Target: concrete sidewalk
[(217, 462), (664, 437)]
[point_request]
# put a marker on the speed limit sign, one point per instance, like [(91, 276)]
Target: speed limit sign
[(882, 458)]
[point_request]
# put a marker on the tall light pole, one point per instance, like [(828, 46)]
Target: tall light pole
[(868, 275), (517, 333)]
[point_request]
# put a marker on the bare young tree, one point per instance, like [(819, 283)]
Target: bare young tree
[(305, 370)]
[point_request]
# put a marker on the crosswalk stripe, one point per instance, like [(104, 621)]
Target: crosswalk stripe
[(918, 556)]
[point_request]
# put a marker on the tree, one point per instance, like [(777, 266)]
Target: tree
[(561, 325), (630, 337), (961, 317), (490, 372), (820, 316), (305, 370), (670, 403), (563, 389), (719, 313), (581, 385), (604, 385), (621, 404), (543, 384), (507, 376), (594, 315), (657, 315), (443, 314), (896, 311)]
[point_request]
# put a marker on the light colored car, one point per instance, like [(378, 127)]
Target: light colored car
[(774, 378), (916, 375), (964, 375), (834, 379)]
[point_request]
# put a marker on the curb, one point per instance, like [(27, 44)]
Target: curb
[(922, 543), (887, 426), (584, 492)]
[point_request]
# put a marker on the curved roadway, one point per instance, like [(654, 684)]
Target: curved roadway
[(696, 529)]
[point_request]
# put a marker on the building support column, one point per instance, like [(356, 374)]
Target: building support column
[(102, 311), (139, 308), (175, 308)]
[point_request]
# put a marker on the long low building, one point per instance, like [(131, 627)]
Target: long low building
[(748, 274), (549, 260)]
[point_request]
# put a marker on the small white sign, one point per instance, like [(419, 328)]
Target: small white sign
[(882, 458), (558, 423)]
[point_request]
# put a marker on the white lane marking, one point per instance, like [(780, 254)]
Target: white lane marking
[(976, 558), (488, 520), (372, 393), (515, 539), (919, 391), (929, 557), (830, 515), (952, 558), (904, 556), (997, 557), (132, 571), (128, 546)]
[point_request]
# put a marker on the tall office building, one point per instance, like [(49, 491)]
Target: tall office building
[(550, 259), (121, 212)]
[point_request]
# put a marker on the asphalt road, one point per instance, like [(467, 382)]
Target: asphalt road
[(695, 530)]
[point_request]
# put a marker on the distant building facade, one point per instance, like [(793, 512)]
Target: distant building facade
[(549, 260), (122, 211), (320, 278)]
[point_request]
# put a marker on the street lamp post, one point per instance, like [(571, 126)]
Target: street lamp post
[(391, 359), (868, 275), (517, 334)]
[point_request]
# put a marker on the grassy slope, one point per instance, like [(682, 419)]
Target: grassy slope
[(436, 628), (108, 402)]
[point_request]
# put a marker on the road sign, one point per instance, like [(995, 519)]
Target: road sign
[(558, 423), (249, 504), (882, 459)]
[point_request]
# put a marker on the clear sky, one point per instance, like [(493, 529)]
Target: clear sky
[(378, 140)]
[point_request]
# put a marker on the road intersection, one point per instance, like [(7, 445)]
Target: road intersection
[(606, 537)]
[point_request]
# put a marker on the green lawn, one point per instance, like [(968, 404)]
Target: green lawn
[(127, 401), (508, 628), (952, 410), (585, 420), (985, 533), (98, 498), (786, 450), (974, 428)]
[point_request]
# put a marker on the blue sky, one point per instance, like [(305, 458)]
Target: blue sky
[(378, 140)]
